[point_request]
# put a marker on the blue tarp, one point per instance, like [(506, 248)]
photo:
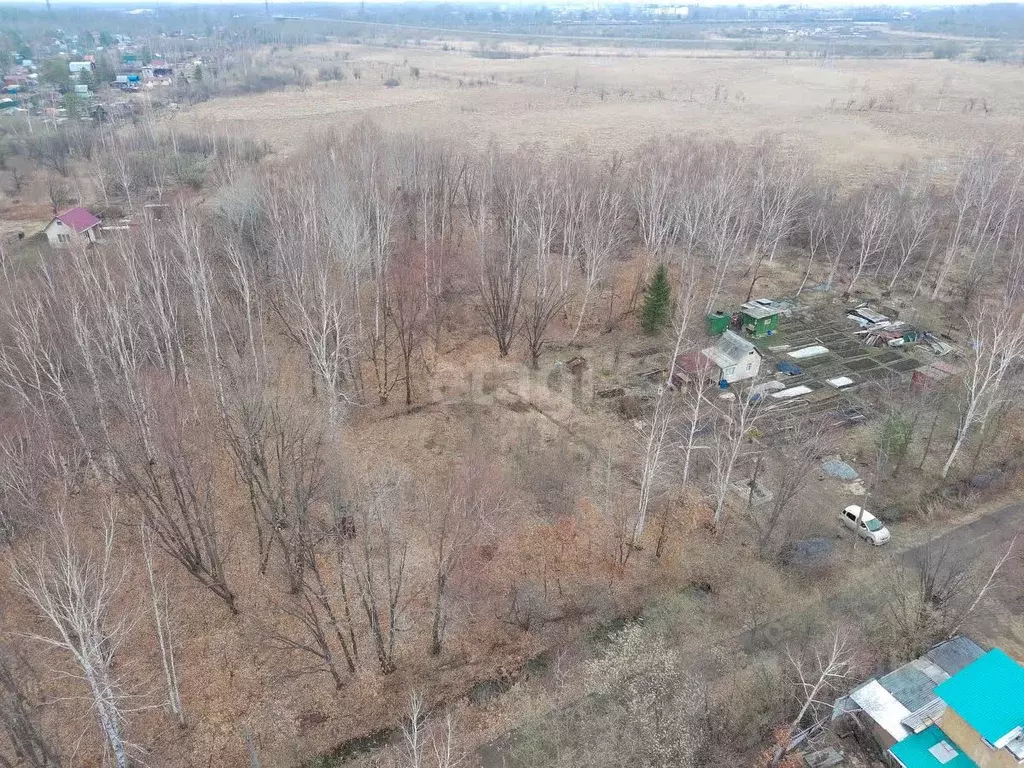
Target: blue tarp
[(839, 469)]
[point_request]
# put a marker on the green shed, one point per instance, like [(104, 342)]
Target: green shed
[(759, 319), (717, 323)]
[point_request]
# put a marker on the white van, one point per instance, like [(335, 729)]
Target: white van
[(870, 527)]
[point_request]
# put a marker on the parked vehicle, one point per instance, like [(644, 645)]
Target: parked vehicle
[(869, 528)]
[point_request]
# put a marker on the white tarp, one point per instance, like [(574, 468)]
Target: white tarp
[(800, 354), (792, 392), (883, 708), (840, 381)]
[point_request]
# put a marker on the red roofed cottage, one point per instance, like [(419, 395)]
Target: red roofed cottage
[(76, 225)]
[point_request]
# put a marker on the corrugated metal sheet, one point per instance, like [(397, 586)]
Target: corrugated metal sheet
[(988, 694), (882, 707), (955, 654), (912, 687), (925, 716)]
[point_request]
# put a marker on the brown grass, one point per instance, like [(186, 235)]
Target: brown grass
[(614, 98)]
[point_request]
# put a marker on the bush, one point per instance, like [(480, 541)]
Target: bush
[(946, 50), (327, 74), (392, 82)]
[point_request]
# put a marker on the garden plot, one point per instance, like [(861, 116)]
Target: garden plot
[(834, 366)]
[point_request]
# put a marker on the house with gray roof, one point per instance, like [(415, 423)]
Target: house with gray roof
[(733, 358), (904, 702)]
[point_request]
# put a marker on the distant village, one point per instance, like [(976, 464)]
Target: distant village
[(64, 78)]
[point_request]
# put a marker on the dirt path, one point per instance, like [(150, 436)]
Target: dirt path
[(863, 590)]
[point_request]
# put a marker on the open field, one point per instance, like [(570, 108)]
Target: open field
[(853, 115)]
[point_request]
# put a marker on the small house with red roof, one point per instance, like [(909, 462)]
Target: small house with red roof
[(74, 226)]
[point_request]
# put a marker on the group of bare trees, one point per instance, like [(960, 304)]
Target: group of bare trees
[(195, 378)]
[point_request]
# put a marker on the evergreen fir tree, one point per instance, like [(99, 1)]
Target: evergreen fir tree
[(657, 298)]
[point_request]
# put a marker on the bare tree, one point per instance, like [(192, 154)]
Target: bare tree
[(914, 225), (602, 234), (652, 445), (819, 679), (380, 568), (455, 519), (407, 311), (733, 430), (170, 480), (314, 640), (793, 458), (427, 744), (653, 187), (161, 619), (997, 346), (74, 591), (30, 745), (989, 582), (780, 188), (875, 222), (549, 276), (929, 596), (503, 256)]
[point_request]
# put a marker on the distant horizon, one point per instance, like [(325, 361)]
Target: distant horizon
[(822, 4)]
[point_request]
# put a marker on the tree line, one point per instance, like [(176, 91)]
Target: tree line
[(178, 401)]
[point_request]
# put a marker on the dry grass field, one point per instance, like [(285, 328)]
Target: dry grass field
[(853, 115)]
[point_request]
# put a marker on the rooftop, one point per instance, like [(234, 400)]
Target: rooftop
[(989, 695), (760, 308), (730, 349), (79, 219), (930, 749), (904, 701)]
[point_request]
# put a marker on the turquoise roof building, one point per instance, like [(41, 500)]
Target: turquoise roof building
[(979, 721), (989, 695)]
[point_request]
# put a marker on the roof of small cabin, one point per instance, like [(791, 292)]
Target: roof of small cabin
[(731, 347), (988, 695), (758, 311), (79, 219), (692, 362)]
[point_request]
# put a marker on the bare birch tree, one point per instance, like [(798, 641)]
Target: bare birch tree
[(996, 333), (819, 679), (160, 603), (74, 591), (733, 431), (653, 448)]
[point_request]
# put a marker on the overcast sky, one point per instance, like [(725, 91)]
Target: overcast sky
[(550, 3)]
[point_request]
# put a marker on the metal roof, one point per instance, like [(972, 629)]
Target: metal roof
[(988, 694), (79, 219), (758, 311), (925, 716), (930, 749), (955, 654), (913, 684), (882, 707), (732, 347)]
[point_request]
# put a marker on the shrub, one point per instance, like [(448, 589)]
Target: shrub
[(392, 82), (326, 74)]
